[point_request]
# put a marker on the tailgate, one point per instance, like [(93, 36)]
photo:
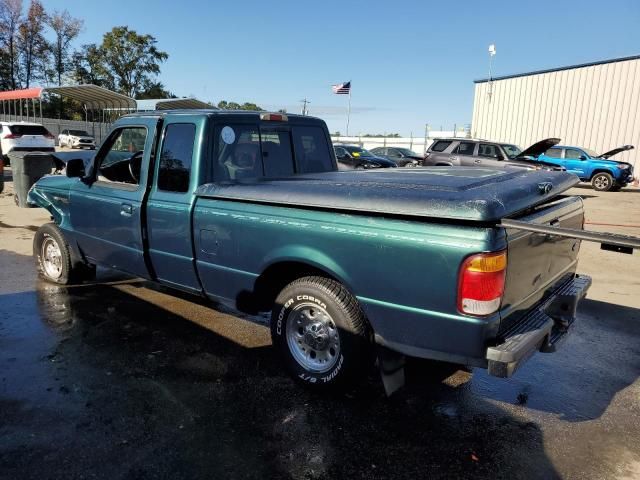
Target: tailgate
[(539, 263)]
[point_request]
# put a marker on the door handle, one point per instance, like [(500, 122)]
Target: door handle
[(126, 210), (454, 158), (477, 161)]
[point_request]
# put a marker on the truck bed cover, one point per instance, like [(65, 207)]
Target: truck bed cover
[(453, 193)]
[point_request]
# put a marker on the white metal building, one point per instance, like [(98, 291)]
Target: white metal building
[(593, 105)]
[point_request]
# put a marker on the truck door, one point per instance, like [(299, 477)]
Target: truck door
[(463, 155), (106, 209), (575, 162), (176, 175), (490, 156)]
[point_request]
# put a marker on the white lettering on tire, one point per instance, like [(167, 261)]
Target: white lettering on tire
[(286, 305)]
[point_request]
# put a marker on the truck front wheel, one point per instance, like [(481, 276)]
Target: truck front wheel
[(602, 182), (321, 332), (54, 260)]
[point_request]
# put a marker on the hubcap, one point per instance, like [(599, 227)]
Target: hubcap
[(312, 337), (51, 258), (602, 182)]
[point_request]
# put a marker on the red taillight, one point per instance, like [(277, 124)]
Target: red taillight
[(481, 283), (11, 136)]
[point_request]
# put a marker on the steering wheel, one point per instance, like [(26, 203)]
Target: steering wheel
[(135, 165)]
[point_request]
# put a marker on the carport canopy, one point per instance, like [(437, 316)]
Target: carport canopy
[(94, 97), (171, 104)]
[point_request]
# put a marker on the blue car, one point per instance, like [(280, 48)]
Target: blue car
[(603, 173)]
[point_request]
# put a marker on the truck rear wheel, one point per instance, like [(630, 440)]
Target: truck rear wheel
[(602, 182), (321, 332), (54, 260)]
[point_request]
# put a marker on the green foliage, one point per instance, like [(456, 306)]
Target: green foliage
[(224, 105), (155, 91), (130, 61)]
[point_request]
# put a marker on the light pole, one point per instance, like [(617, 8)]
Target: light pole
[(492, 53)]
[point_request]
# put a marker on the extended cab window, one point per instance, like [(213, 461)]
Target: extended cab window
[(123, 159), (175, 159), (312, 150)]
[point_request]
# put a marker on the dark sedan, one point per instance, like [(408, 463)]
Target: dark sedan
[(403, 157), (353, 157)]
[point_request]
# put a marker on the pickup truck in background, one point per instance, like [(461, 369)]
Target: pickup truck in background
[(603, 174), (248, 209)]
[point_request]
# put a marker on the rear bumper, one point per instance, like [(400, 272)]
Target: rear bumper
[(542, 329)]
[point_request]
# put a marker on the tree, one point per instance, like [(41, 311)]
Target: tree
[(10, 19), (33, 45), (130, 61), (87, 66), (224, 105), (66, 29), (154, 91)]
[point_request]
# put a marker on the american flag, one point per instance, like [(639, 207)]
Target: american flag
[(342, 88)]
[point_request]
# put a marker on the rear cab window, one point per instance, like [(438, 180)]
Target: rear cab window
[(252, 151)]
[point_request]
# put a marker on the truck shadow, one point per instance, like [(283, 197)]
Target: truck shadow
[(601, 357), (146, 383)]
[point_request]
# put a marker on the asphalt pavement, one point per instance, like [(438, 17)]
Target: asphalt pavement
[(119, 379)]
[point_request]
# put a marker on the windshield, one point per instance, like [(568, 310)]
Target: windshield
[(512, 151), (78, 133), (359, 152), (591, 153), (407, 153)]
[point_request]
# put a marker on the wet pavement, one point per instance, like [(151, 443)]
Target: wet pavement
[(119, 380)]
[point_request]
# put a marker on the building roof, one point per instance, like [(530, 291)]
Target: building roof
[(559, 69), (91, 95), (26, 93)]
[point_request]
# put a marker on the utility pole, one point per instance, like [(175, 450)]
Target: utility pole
[(492, 52), (305, 110)]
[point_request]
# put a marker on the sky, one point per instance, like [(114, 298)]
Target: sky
[(411, 63)]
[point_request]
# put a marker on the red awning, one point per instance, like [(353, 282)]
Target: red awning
[(21, 94)]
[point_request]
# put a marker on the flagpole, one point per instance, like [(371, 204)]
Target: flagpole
[(349, 110)]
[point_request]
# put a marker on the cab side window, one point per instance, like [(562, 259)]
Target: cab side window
[(465, 148), (485, 150), (122, 162), (572, 154), (176, 156), (554, 153)]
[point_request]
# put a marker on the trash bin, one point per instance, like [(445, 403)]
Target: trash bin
[(27, 169)]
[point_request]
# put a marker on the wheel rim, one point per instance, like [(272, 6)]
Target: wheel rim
[(51, 258), (601, 182), (312, 337)]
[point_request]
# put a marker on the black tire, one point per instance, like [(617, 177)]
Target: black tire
[(341, 311), (616, 188), (602, 182), (70, 270)]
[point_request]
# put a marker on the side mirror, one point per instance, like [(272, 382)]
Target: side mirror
[(75, 168), (499, 156), (583, 157)]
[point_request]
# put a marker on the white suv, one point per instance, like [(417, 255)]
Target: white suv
[(24, 137), (76, 139)]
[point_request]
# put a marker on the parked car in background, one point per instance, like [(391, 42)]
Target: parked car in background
[(24, 137), (76, 139), (467, 152), (603, 173), (353, 157), (403, 157)]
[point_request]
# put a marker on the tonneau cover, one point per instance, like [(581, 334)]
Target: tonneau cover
[(468, 194)]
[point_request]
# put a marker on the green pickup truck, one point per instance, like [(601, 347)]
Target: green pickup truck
[(248, 209)]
